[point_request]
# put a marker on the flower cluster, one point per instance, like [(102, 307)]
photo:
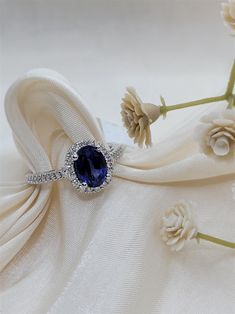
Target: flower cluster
[(217, 135)]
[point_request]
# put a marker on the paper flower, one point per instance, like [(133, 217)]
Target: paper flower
[(177, 227), (216, 133), (228, 14), (137, 117)]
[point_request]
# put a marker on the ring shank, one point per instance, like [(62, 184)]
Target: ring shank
[(46, 176)]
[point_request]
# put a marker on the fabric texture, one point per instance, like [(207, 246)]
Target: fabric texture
[(65, 252)]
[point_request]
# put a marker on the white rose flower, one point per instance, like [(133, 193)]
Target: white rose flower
[(177, 227), (228, 14), (216, 134), (137, 117)]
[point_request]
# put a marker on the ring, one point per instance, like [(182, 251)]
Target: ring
[(88, 165)]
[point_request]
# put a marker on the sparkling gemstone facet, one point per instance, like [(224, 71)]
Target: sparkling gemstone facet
[(90, 167)]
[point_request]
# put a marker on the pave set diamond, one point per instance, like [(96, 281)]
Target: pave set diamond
[(47, 176)]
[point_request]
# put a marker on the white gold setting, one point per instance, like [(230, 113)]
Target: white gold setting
[(111, 152), (71, 156)]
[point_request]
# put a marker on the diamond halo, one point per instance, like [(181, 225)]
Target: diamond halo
[(71, 157)]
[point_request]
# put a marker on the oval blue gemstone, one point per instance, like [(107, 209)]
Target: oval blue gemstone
[(90, 167)]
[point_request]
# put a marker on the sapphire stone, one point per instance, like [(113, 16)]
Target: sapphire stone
[(90, 167)]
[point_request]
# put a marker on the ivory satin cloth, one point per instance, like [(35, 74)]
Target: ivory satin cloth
[(66, 252)]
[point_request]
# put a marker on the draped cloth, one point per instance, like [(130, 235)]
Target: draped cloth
[(65, 252)]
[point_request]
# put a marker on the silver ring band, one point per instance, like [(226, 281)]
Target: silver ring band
[(107, 154)]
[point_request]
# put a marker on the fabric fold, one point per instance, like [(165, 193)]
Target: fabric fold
[(62, 248)]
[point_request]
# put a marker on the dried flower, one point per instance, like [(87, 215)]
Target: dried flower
[(216, 133), (177, 227), (137, 117), (228, 14)]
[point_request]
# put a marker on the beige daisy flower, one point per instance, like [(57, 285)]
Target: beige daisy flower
[(137, 117), (177, 227), (216, 134)]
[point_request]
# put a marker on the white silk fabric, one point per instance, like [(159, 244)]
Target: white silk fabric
[(65, 252)]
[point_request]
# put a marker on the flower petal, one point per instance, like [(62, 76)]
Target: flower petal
[(230, 130), (221, 146), (179, 245), (148, 139), (214, 130), (172, 241), (223, 133)]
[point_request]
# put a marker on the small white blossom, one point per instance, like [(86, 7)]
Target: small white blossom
[(177, 227), (228, 14), (137, 117), (216, 134)]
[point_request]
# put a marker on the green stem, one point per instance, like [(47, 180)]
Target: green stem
[(228, 96), (165, 109), (231, 82), (231, 102), (215, 240)]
